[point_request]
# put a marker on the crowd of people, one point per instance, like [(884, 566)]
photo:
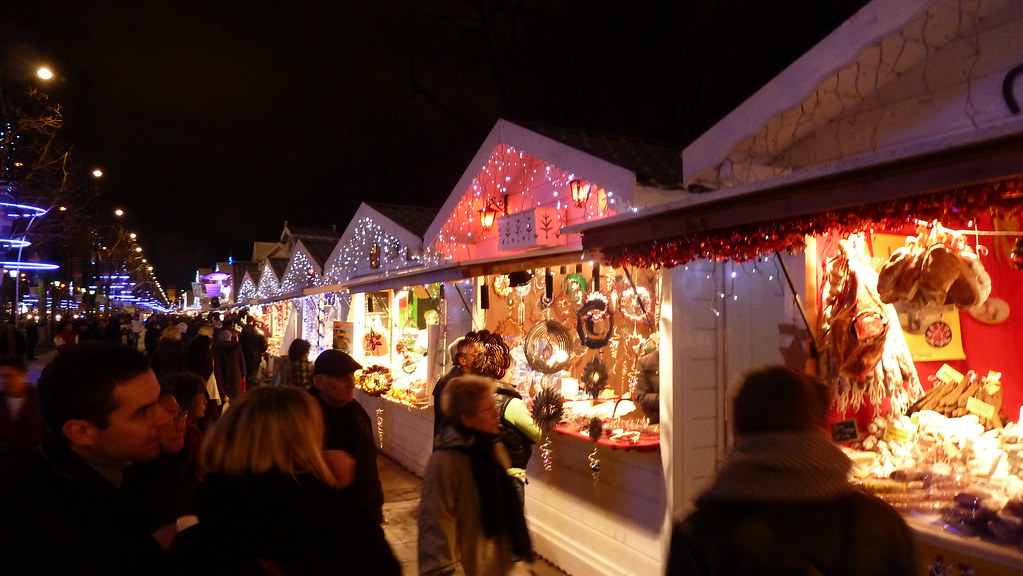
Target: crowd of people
[(162, 455), (166, 453)]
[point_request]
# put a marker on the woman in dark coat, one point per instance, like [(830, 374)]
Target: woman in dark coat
[(269, 503), (168, 356)]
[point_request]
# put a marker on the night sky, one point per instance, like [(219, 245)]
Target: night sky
[(217, 120)]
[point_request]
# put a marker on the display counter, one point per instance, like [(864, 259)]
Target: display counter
[(404, 431), (616, 513), (940, 550)]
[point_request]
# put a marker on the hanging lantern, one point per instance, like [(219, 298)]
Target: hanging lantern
[(487, 216), (580, 192)]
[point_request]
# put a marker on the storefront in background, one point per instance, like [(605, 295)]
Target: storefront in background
[(859, 217)]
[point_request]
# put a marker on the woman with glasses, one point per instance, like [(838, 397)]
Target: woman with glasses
[(470, 517), (167, 484)]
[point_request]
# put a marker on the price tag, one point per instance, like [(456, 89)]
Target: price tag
[(948, 374), (844, 431), (980, 408), (896, 434)]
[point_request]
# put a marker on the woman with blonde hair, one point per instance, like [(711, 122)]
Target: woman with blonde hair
[(270, 503)]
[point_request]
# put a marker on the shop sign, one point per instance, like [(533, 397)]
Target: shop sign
[(530, 228)]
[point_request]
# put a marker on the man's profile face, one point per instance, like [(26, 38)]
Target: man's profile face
[(133, 428), (336, 390)]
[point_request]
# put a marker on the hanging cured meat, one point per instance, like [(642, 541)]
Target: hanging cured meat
[(935, 269), (863, 353)]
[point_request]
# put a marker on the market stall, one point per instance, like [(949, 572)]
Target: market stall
[(859, 217), (575, 330), (392, 330)]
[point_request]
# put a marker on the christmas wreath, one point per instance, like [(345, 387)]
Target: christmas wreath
[(375, 380), (586, 319), (636, 304)]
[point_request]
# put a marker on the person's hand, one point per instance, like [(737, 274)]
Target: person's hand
[(342, 465)]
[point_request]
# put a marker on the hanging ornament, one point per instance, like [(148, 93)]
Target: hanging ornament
[(1017, 254), (596, 430), (502, 285), (548, 409), (380, 427), (594, 377), (574, 286)]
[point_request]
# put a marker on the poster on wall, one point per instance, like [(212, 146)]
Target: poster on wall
[(343, 332), (932, 335)]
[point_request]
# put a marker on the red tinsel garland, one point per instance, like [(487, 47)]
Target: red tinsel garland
[(951, 207)]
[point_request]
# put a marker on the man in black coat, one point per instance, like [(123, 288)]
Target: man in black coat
[(461, 353), (63, 510), (347, 426)]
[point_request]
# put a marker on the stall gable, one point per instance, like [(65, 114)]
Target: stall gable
[(247, 291), (524, 179), (302, 270), (269, 280), (898, 72), (372, 244)]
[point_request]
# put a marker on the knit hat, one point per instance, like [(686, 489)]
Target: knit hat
[(335, 363)]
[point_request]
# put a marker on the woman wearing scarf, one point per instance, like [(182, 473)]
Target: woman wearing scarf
[(782, 503), (469, 516)]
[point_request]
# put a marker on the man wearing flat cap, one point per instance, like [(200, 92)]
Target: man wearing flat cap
[(347, 426)]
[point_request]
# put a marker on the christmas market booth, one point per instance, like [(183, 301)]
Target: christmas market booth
[(365, 309), (565, 332), (859, 218)]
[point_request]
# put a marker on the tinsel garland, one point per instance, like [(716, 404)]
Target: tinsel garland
[(594, 377), (745, 243)]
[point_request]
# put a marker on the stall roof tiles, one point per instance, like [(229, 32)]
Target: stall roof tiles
[(319, 250), (415, 219), (654, 163)]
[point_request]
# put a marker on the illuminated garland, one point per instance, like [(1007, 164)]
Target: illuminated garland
[(745, 243)]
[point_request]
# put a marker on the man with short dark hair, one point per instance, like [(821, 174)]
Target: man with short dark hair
[(347, 426), (64, 511)]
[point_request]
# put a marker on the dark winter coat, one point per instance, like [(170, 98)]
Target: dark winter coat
[(349, 428), (782, 504), (60, 516), (300, 525), (167, 357), (438, 391), (25, 432), (229, 365)]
